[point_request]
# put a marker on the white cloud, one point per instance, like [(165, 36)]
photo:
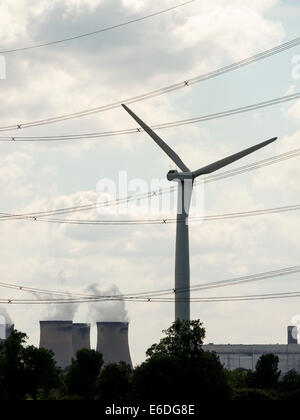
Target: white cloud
[(120, 64), (294, 111), (79, 6), (284, 176), (235, 28), (14, 169)]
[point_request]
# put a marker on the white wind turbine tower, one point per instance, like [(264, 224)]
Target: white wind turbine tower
[(185, 181)]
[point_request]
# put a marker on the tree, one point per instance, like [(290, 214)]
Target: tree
[(157, 380), (255, 395), (237, 378), (82, 375), (113, 383), (25, 370), (41, 371), (178, 370), (12, 372), (184, 339), (266, 373), (290, 381)]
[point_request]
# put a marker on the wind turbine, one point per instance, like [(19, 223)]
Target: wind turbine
[(185, 181)]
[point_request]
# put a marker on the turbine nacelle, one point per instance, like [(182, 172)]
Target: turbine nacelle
[(174, 175)]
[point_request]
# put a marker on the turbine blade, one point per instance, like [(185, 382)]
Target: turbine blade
[(176, 159), (230, 159)]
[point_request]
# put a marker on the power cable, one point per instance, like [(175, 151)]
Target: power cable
[(167, 221), (153, 300), (114, 133), (212, 178), (98, 31), (156, 294), (186, 83)]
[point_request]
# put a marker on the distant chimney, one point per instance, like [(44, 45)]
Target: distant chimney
[(81, 337), (112, 342), (292, 335), (6, 330), (57, 336)]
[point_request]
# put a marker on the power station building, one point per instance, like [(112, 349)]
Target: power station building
[(57, 336), (65, 338), (113, 343), (5, 331), (246, 356), (81, 334)]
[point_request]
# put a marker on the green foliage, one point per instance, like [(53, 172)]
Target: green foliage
[(290, 381), (177, 369), (237, 378), (113, 384), (81, 377), (290, 396), (12, 372), (25, 371), (157, 380), (266, 373), (184, 339), (42, 374), (255, 395)]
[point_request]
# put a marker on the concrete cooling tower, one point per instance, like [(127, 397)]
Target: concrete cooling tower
[(57, 336), (5, 331), (81, 337), (112, 342)]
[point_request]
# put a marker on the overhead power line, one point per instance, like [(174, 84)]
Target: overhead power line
[(92, 206), (98, 31), (265, 296), (160, 126), (186, 83), (243, 298), (248, 279), (215, 299), (167, 221), (147, 295), (253, 166)]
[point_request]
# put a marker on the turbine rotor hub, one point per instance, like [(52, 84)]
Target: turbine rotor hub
[(174, 175)]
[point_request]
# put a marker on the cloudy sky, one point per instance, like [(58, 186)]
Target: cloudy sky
[(118, 64)]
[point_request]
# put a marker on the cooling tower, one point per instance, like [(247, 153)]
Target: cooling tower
[(112, 342), (81, 337), (57, 336), (6, 330)]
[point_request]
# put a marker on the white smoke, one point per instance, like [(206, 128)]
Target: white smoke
[(61, 312), (114, 311), (58, 312), (110, 311)]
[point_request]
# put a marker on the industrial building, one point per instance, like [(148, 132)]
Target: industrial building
[(246, 356), (5, 331), (57, 336), (81, 337), (65, 338), (113, 343)]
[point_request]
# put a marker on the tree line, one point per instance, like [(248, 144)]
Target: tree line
[(176, 371)]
